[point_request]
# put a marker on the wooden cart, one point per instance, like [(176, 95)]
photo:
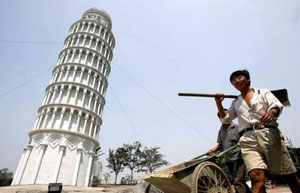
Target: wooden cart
[(196, 176)]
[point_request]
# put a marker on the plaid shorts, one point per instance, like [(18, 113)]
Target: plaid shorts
[(265, 149)]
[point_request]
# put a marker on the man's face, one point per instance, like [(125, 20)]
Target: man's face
[(240, 82)]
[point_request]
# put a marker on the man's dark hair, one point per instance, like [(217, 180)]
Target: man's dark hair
[(219, 114), (240, 72)]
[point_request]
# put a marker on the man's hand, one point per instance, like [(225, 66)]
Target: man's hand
[(214, 149), (267, 117), (209, 152), (219, 97)]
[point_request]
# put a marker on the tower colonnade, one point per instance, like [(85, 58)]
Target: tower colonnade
[(64, 138)]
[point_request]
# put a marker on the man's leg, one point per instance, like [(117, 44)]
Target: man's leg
[(257, 177), (293, 182), (239, 172), (239, 180), (230, 166)]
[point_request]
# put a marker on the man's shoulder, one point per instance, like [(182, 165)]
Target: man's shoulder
[(261, 90), (234, 129), (233, 126)]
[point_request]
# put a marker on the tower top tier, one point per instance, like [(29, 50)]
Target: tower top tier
[(98, 15)]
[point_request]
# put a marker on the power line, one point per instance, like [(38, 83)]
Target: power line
[(126, 114), (24, 83), (146, 90), (163, 104), (28, 42)]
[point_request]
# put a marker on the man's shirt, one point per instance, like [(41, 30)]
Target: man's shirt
[(228, 139), (262, 101)]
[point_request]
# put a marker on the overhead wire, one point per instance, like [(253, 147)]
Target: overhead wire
[(34, 77), (28, 42), (24, 83), (122, 70), (126, 114), (163, 104)]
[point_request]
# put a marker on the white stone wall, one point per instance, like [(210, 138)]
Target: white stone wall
[(65, 135)]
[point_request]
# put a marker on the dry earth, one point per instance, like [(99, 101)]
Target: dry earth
[(108, 189)]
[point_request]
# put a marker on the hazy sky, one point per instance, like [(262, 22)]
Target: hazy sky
[(162, 48)]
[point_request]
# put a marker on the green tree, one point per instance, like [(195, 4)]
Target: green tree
[(115, 162), (126, 180), (6, 177), (151, 159), (106, 177), (132, 157)]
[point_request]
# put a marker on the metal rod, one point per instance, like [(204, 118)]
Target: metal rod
[(205, 95)]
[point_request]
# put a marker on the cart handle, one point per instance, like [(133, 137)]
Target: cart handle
[(219, 154)]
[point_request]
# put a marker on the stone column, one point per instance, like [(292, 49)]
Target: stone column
[(93, 58), (61, 117), (83, 97), (76, 95), (84, 41), (78, 121), (41, 119), (82, 72), (85, 123), (74, 74), (76, 171), (89, 27), (96, 45), (89, 169), (86, 57), (101, 47), (77, 40), (94, 80), (45, 119), (88, 77), (91, 127), (36, 122), (79, 55), (53, 117), (98, 63), (90, 100), (102, 67), (68, 71), (45, 98), (62, 149), (100, 30), (24, 163), (39, 161), (61, 90), (90, 43), (51, 94), (69, 92), (82, 26), (105, 32), (70, 119), (95, 129), (94, 29), (18, 168), (99, 84), (95, 104)]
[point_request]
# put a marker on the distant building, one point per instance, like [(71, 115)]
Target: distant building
[(65, 135)]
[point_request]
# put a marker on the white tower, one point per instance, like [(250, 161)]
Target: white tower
[(65, 135)]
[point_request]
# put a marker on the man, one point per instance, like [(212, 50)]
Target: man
[(262, 145), (229, 136)]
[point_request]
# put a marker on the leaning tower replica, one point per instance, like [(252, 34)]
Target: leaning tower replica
[(64, 138)]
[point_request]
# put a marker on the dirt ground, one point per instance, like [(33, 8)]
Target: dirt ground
[(72, 189), (279, 189)]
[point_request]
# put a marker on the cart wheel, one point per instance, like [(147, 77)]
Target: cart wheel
[(209, 178), (152, 189)]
